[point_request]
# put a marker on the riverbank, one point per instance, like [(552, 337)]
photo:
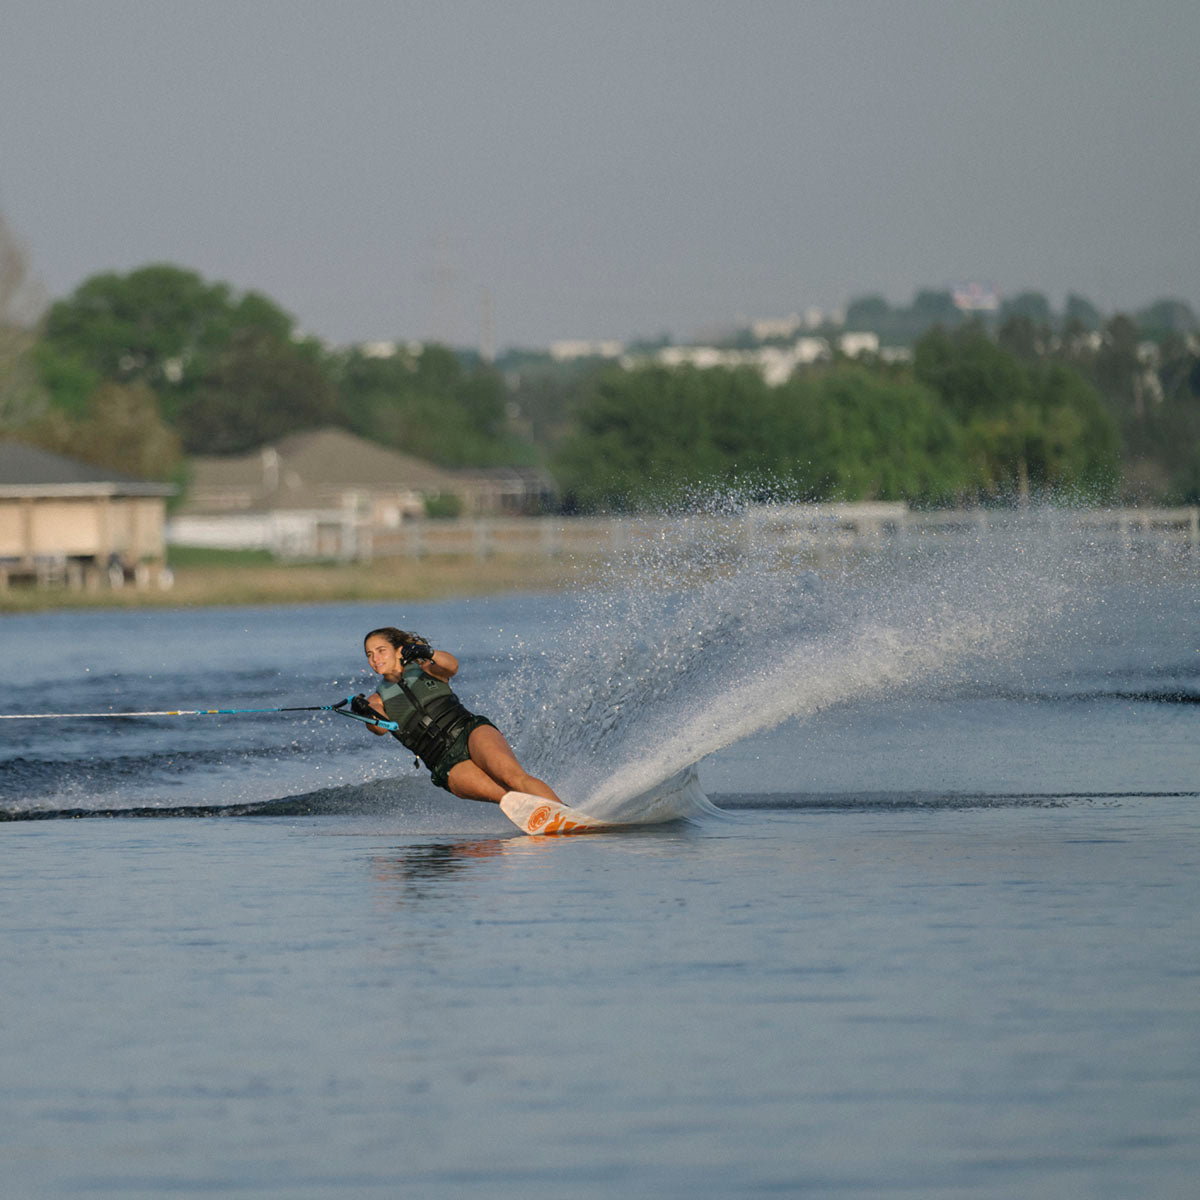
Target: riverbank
[(445, 559), (213, 584)]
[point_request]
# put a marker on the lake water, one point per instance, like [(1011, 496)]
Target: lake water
[(936, 935)]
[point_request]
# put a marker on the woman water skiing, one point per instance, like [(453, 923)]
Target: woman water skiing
[(465, 753)]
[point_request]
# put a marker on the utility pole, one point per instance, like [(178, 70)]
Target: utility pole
[(443, 317), (487, 327)]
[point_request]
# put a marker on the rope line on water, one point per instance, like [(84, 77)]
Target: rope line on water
[(338, 708)]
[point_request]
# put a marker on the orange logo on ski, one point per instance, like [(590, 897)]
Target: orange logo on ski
[(561, 824), (539, 817)]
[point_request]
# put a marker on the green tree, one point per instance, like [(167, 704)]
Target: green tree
[(544, 396), (867, 313), (21, 397), (158, 323), (1166, 317), (1185, 482), (1082, 311), (257, 390), (1119, 373), (1029, 428), (1032, 305), (1178, 367), (650, 433), (122, 429), (1090, 458), (161, 324), (969, 373), (871, 437), (1024, 338), (67, 382), (1063, 442), (935, 307), (850, 432), (426, 403)]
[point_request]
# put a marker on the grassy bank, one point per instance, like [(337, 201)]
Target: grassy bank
[(203, 578)]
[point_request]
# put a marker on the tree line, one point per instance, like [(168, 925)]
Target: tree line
[(903, 324), (967, 423), (1026, 404), (138, 371)]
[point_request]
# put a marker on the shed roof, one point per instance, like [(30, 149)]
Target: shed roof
[(32, 471)]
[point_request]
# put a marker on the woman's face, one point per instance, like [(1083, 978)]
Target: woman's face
[(382, 657)]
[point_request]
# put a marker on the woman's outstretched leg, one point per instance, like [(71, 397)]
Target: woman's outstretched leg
[(469, 782), (491, 753)]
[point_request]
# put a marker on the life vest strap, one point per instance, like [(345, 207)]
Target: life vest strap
[(429, 735)]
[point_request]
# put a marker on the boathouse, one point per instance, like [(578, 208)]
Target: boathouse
[(69, 523)]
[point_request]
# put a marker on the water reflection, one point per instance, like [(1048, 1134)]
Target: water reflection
[(416, 872)]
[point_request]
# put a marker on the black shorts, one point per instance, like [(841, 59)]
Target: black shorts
[(457, 752)]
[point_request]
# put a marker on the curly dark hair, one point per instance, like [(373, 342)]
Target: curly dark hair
[(397, 638)]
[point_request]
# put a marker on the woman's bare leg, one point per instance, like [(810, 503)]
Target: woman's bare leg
[(469, 782), (491, 753)]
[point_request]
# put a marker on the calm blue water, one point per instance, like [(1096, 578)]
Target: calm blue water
[(941, 940)]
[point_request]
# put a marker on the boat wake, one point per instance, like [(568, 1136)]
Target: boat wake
[(678, 797), (706, 642)]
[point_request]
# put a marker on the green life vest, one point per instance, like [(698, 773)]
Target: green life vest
[(428, 712)]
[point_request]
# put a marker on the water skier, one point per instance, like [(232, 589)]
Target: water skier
[(465, 753)]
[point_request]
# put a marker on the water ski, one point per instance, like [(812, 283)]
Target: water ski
[(533, 814)]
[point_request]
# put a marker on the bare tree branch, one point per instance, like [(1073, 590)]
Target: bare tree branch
[(22, 303)]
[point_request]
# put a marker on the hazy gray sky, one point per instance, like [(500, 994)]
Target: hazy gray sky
[(610, 168)]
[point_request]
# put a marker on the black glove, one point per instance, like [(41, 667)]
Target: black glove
[(416, 652), (361, 707)]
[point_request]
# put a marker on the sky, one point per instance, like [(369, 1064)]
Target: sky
[(536, 170)]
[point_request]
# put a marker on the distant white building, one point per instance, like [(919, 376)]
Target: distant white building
[(854, 345), (975, 297), (773, 328), (703, 357), (776, 327), (569, 350), (774, 363), (388, 349)]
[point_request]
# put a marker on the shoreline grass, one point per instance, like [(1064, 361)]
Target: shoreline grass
[(223, 579)]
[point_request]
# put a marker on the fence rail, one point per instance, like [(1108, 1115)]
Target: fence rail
[(816, 526), (796, 532)]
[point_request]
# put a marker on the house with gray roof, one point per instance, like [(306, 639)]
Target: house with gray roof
[(66, 521), (331, 494)]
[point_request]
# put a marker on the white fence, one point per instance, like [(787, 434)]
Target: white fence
[(819, 528)]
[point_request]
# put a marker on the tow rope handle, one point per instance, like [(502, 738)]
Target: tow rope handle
[(378, 722)]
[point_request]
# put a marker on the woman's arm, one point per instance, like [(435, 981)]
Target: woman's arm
[(441, 666), (375, 700)]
